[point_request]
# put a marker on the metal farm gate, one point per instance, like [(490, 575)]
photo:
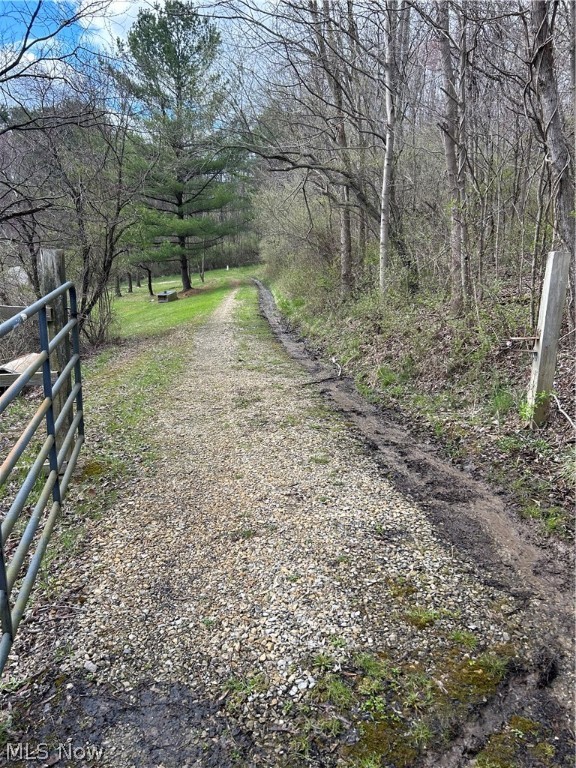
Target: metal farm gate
[(35, 488)]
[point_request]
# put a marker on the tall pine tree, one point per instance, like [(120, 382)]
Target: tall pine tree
[(171, 53)]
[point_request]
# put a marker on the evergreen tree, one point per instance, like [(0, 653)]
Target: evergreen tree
[(190, 190)]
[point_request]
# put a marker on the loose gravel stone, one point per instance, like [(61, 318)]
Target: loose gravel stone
[(262, 536)]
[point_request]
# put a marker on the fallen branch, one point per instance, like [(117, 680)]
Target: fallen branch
[(558, 405)]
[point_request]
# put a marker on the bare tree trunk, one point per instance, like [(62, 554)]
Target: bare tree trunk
[(184, 269), (390, 84), (396, 31), (462, 161), (356, 86), (346, 277), (553, 136), (327, 48), (560, 163), (129, 276), (184, 266), (149, 278), (117, 291), (536, 245), (572, 37), (362, 240), (450, 136), (32, 271)]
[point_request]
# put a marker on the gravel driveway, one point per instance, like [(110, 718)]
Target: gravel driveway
[(264, 587)]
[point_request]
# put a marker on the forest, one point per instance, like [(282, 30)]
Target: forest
[(400, 168)]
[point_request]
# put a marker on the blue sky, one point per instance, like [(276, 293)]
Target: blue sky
[(99, 29)]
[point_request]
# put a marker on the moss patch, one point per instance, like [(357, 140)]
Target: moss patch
[(400, 708), (521, 742), (385, 739), (471, 678)]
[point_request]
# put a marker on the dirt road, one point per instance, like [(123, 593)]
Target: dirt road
[(292, 582)]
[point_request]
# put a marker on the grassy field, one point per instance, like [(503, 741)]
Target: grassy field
[(138, 314)]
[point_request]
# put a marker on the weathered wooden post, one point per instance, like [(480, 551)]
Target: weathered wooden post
[(546, 346), (52, 271)]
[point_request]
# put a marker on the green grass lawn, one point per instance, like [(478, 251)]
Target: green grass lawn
[(138, 314)]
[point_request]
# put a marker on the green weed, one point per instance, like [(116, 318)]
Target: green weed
[(464, 638), (421, 617), (333, 690), (372, 665), (510, 444), (401, 587), (421, 733), (243, 534), (323, 662), (501, 402), (246, 685), (386, 376), (370, 761)]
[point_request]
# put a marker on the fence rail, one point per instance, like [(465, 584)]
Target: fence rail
[(61, 411)]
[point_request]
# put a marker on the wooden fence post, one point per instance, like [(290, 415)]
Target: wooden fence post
[(52, 271), (546, 346)]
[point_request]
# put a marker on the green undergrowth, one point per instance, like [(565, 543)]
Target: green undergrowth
[(251, 325), (455, 381), (247, 313)]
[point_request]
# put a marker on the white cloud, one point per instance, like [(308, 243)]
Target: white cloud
[(104, 27)]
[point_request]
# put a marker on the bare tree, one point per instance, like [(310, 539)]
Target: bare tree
[(41, 41), (546, 106), (347, 97), (73, 187), (396, 24)]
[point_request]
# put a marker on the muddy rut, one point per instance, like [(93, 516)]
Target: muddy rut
[(473, 519), (471, 516)]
